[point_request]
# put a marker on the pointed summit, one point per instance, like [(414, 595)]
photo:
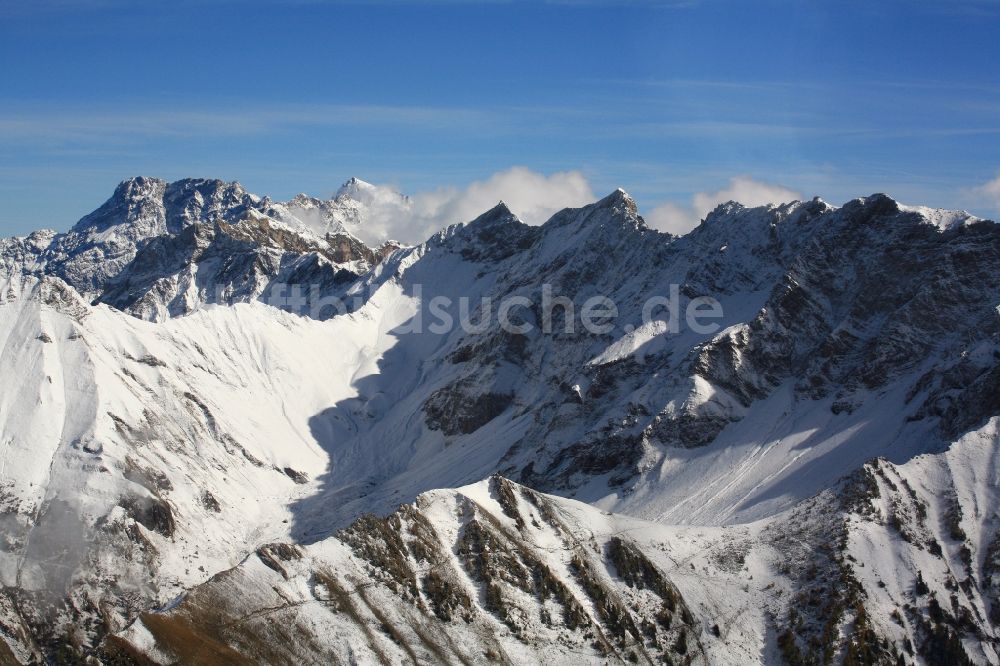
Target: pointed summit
[(494, 235), (133, 198), (355, 188), (362, 192), (618, 198), (499, 214), (501, 209)]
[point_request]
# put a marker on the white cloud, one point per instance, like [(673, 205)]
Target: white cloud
[(533, 196), (672, 218), (677, 219), (989, 192)]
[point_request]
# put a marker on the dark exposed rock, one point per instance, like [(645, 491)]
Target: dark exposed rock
[(507, 498), (614, 615), (379, 542), (297, 477), (152, 513), (152, 361), (457, 410), (637, 571), (446, 598), (153, 480), (345, 248), (209, 502), (493, 236), (273, 554)]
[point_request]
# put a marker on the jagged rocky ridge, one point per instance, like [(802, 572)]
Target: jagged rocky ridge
[(158, 249), (153, 456)]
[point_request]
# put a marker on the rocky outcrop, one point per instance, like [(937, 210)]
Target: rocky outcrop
[(459, 576)]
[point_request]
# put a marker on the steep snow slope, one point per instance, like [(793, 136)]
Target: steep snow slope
[(138, 459), (894, 565)]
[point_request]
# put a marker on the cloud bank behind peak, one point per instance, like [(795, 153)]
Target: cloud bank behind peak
[(679, 219), (534, 197)]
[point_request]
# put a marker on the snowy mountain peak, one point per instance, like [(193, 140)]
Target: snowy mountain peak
[(136, 185), (151, 206), (132, 198), (944, 220), (366, 193), (724, 210), (883, 209), (494, 235), (878, 203), (193, 200), (618, 198), (353, 188), (499, 213), (303, 199)]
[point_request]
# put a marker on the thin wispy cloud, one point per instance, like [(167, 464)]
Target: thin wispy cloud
[(115, 125), (35, 7), (22, 125), (97, 125)]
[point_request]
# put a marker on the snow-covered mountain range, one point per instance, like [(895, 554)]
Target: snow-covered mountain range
[(230, 436)]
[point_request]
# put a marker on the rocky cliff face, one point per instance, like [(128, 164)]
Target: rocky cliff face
[(213, 462)]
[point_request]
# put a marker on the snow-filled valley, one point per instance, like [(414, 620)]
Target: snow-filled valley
[(195, 472)]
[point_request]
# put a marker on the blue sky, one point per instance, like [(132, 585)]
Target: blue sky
[(665, 99)]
